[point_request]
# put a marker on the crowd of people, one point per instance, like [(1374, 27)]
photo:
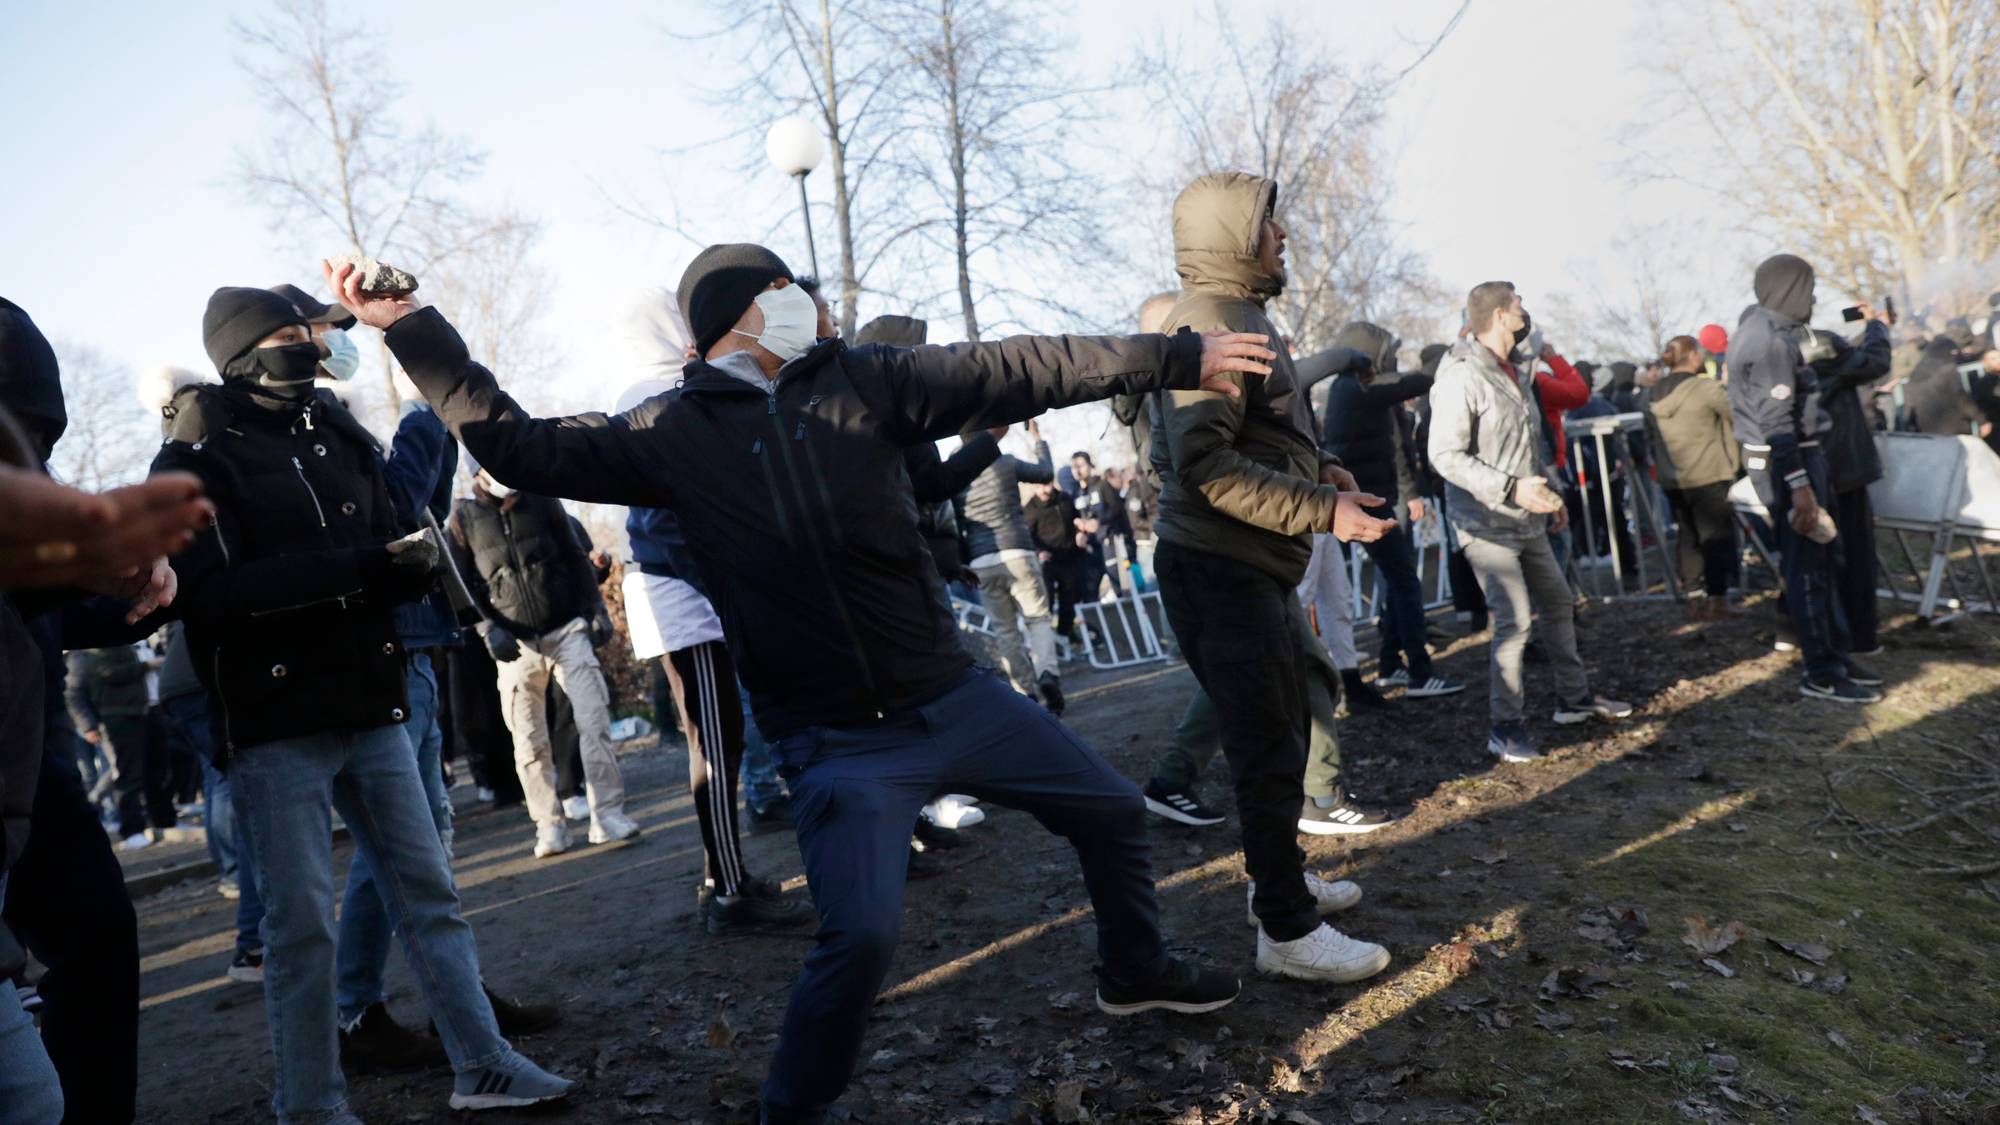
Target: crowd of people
[(292, 620)]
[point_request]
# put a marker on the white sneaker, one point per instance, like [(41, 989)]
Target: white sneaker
[(950, 811), (577, 807), (1328, 895), (484, 794), (551, 839), (611, 827), (1326, 954), (135, 841)]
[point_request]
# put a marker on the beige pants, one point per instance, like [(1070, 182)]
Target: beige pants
[(524, 681), (1015, 596)]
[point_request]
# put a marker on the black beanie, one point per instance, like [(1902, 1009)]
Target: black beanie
[(238, 317), (720, 283)]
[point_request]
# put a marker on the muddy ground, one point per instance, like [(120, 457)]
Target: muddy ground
[(1537, 914)]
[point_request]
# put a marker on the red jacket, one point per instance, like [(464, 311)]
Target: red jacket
[(1562, 391)]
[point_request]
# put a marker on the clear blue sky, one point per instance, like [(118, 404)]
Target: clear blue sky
[(118, 213)]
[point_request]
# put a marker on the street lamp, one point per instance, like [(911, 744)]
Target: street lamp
[(795, 148)]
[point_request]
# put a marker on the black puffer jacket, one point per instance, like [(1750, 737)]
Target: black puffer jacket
[(1851, 456), (794, 497), (288, 597), (1363, 424), (523, 563)]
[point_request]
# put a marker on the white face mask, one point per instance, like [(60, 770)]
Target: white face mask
[(343, 359), (791, 322)]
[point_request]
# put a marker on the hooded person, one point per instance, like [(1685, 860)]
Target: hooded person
[(671, 621), (288, 600), (1245, 490), (782, 456), (1846, 370), (1776, 406), (1365, 428)]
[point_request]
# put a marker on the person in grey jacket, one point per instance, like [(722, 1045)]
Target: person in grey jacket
[(1010, 575), (1485, 442)]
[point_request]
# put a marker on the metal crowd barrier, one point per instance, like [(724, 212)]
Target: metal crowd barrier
[(1642, 499)]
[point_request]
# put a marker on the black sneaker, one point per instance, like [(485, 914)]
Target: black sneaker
[(774, 817), (1860, 674), (521, 1019), (1511, 742), (758, 905), (1181, 988), (377, 1044), (1180, 806), (1840, 690), (1342, 818), (924, 862), (1359, 693), (1876, 651), (934, 838), (247, 967), (1052, 696)]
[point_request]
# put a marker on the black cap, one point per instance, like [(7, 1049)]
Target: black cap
[(316, 313), (238, 317), (720, 283)]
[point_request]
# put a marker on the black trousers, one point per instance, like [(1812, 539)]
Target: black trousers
[(142, 775), (470, 693), (1235, 624), (565, 744), (66, 901), (1854, 516), (1705, 551), (1066, 575), (704, 684)]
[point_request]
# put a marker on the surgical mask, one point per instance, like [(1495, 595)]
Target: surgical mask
[(287, 370), (791, 321), (343, 359)]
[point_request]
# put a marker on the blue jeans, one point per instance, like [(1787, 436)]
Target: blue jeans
[(30, 1092), (1402, 593), (287, 790), (363, 950), (855, 796), (1812, 586), (188, 727), (760, 784)]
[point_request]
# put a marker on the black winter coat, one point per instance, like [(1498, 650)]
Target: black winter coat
[(525, 567), (794, 497), (1363, 430), (288, 597), (1851, 455)]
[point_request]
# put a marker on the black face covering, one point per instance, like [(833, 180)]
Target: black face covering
[(286, 371), (1527, 323)]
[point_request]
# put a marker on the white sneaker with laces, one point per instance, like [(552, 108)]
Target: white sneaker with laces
[(951, 811), (1436, 685), (551, 839), (1326, 954), (576, 808), (135, 841), (1329, 895), (611, 827)]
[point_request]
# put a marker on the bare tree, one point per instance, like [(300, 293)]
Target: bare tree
[(495, 289), (111, 439), (1632, 319), (1860, 133)]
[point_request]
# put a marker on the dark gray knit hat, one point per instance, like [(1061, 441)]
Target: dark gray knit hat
[(720, 283), (237, 317)]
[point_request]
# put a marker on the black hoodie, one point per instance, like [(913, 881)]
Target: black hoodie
[(1363, 426)]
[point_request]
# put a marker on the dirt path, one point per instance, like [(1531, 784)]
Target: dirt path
[(1536, 914)]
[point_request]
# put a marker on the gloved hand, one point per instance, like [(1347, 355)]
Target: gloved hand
[(502, 644), (599, 629), (414, 552)]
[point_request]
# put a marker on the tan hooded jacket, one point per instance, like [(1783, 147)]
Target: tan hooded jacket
[(1241, 475)]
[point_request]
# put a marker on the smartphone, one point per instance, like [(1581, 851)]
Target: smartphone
[(1889, 307), (1851, 312)]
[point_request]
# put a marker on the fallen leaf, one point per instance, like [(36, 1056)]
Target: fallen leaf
[(1491, 856), (1064, 1001), (1723, 1064), (1067, 1105), (1863, 1113), (1586, 983), (1710, 940), (1631, 924), (1195, 1056), (1597, 933), (1458, 958), (1625, 1059), (1679, 985), (1553, 1021), (720, 1033), (1804, 950), (1721, 969), (1802, 978), (1833, 986)]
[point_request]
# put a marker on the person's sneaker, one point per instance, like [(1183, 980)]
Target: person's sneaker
[(551, 839), (1398, 678), (1863, 675), (1181, 988), (229, 889), (484, 794), (1785, 642), (521, 1019), (924, 862), (611, 827), (247, 967), (1359, 693), (377, 1044), (1511, 742), (1329, 895), (577, 807), (1436, 685), (1839, 690), (756, 905), (950, 812), (1596, 707), (934, 838), (1052, 694), (774, 817), (1339, 817), (1179, 805), (1326, 954), (1876, 651), (512, 1081), (134, 842)]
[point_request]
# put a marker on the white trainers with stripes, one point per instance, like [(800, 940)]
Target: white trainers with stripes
[(511, 1081), (1329, 895), (1436, 685)]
